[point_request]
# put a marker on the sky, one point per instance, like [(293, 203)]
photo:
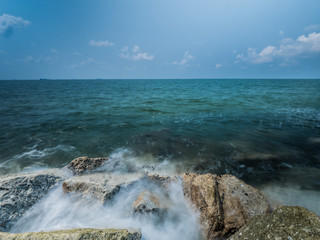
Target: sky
[(124, 39)]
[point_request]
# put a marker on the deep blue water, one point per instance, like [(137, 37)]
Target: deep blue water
[(259, 130)]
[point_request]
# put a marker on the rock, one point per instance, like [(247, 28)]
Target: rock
[(225, 203), (20, 192), (83, 164), (99, 185), (161, 181), (287, 223), (76, 234), (149, 202)]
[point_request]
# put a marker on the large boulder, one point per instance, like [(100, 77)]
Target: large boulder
[(225, 203), (20, 192), (84, 164), (101, 186), (285, 223), (76, 234)]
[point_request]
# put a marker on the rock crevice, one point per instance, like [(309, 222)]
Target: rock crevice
[(225, 203)]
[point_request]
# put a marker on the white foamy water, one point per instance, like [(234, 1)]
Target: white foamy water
[(66, 211), (125, 161), (58, 211), (292, 196)]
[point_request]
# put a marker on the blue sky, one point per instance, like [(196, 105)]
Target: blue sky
[(159, 39)]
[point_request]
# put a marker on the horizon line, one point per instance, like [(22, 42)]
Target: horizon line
[(61, 79)]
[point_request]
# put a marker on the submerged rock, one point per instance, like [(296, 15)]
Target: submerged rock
[(83, 164), (20, 192), (285, 223), (99, 185), (76, 234), (225, 202)]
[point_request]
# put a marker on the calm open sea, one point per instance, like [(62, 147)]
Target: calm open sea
[(266, 132)]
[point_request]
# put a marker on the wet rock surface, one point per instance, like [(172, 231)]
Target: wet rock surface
[(82, 165), (150, 203), (147, 202), (20, 192), (76, 234), (285, 223), (99, 185), (225, 202)]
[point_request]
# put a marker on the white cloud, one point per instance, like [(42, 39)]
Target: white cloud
[(281, 32), (142, 56), (9, 22), (77, 53), (35, 60), (187, 57), (125, 55), (87, 62), (136, 54), (288, 49), (53, 50), (136, 49), (312, 28), (218, 65), (105, 43), (125, 49), (311, 42)]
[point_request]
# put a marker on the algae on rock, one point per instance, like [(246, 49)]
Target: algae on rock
[(76, 234), (286, 222)]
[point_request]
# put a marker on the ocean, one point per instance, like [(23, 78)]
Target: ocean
[(264, 131)]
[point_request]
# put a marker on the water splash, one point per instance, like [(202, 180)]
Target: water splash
[(60, 211)]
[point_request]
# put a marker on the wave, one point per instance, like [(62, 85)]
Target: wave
[(34, 158), (124, 160), (60, 211)]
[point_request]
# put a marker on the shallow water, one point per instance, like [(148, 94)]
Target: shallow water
[(266, 132)]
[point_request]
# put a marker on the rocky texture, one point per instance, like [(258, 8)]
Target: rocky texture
[(225, 202), (99, 185), (84, 164), (20, 192), (285, 223), (162, 181), (149, 202), (76, 234)]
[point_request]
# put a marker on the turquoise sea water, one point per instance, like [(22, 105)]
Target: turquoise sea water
[(267, 132)]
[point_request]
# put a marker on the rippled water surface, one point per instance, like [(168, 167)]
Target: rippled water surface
[(266, 132)]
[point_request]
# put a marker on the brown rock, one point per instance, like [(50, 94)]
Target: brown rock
[(225, 202), (81, 164), (162, 181), (148, 202), (99, 185), (289, 223)]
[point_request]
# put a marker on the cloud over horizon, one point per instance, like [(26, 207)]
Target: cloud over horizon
[(187, 57), (136, 54), (288, 49), (87, 62), (105, 43), (9, 22)]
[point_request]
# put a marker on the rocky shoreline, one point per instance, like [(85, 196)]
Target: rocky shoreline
[(227, 208)]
